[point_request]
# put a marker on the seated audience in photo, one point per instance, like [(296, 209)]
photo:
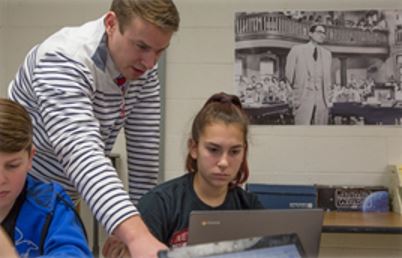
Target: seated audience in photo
[(216, 167), (381, 24), (263, 90), (242, 85), (347, 94), (368, 87), (270, 88), (284, 91), (249, 96), (259, 93), (39, 218)]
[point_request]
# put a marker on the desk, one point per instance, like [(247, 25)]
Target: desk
[(362, 222)]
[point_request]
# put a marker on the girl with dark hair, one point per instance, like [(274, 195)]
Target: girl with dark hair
[(217, 167)]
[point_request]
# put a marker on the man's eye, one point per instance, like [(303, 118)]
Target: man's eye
[(142, 47), (12, 166)]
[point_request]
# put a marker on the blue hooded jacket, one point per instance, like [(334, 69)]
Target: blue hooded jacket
[(46, 224)]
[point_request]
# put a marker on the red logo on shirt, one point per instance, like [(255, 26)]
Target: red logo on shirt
[(179, 238)]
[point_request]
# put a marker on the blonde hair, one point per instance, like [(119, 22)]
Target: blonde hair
[(15, 127), (162, 13)]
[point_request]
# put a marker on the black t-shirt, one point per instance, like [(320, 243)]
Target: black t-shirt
[(166, 208)]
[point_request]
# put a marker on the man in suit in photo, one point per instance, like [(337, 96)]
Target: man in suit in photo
[(308, 70)]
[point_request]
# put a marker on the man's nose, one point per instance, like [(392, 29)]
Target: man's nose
[(149, 60)]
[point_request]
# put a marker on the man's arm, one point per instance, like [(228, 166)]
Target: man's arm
[(291, 66), (290, 70), (68, 115), (152, 208)]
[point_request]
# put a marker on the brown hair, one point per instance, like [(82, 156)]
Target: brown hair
[(15, 127), (221, 107), (162, 13)]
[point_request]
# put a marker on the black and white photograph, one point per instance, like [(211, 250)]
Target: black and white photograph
[(320, 67)]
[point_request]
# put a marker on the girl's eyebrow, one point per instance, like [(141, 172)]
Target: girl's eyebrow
[(14, 159), (218, 145), (212, 143)]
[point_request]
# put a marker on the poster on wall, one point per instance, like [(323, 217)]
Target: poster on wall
[(320, 67)]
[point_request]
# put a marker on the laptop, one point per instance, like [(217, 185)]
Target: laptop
[(214, 226), (277, 246)]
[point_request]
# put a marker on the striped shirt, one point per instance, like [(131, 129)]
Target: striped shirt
[(67, 85)]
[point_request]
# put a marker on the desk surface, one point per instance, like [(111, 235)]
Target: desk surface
[(362, 222)]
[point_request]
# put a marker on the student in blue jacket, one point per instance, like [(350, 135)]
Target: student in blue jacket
[(39, 218)]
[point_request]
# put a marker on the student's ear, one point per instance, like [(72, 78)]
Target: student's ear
[(192, 147), (33, 151), (31, 155)]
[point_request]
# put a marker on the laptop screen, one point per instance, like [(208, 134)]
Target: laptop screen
[(214, 226), (276, 246)]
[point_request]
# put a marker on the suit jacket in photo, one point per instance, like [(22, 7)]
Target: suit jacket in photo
[(300, 67)]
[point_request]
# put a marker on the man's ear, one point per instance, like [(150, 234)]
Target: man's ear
[(111, 22)]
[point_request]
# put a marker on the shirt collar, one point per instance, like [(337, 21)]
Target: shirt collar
[(101, 57), (312, 46)]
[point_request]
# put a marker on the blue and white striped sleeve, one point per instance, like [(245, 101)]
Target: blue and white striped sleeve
[(142, 132), (64, 90)]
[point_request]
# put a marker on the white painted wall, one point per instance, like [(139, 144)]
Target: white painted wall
[(25, 23), (2, 46), (200, 62)]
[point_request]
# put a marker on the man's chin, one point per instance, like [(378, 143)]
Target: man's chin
[(135, 75)]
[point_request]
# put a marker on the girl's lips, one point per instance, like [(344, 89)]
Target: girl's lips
[(220, 176)]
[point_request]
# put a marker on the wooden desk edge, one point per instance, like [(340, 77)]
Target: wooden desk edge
[(362, 222)]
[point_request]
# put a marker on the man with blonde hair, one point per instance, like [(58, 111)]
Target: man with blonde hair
[(81, 86)]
